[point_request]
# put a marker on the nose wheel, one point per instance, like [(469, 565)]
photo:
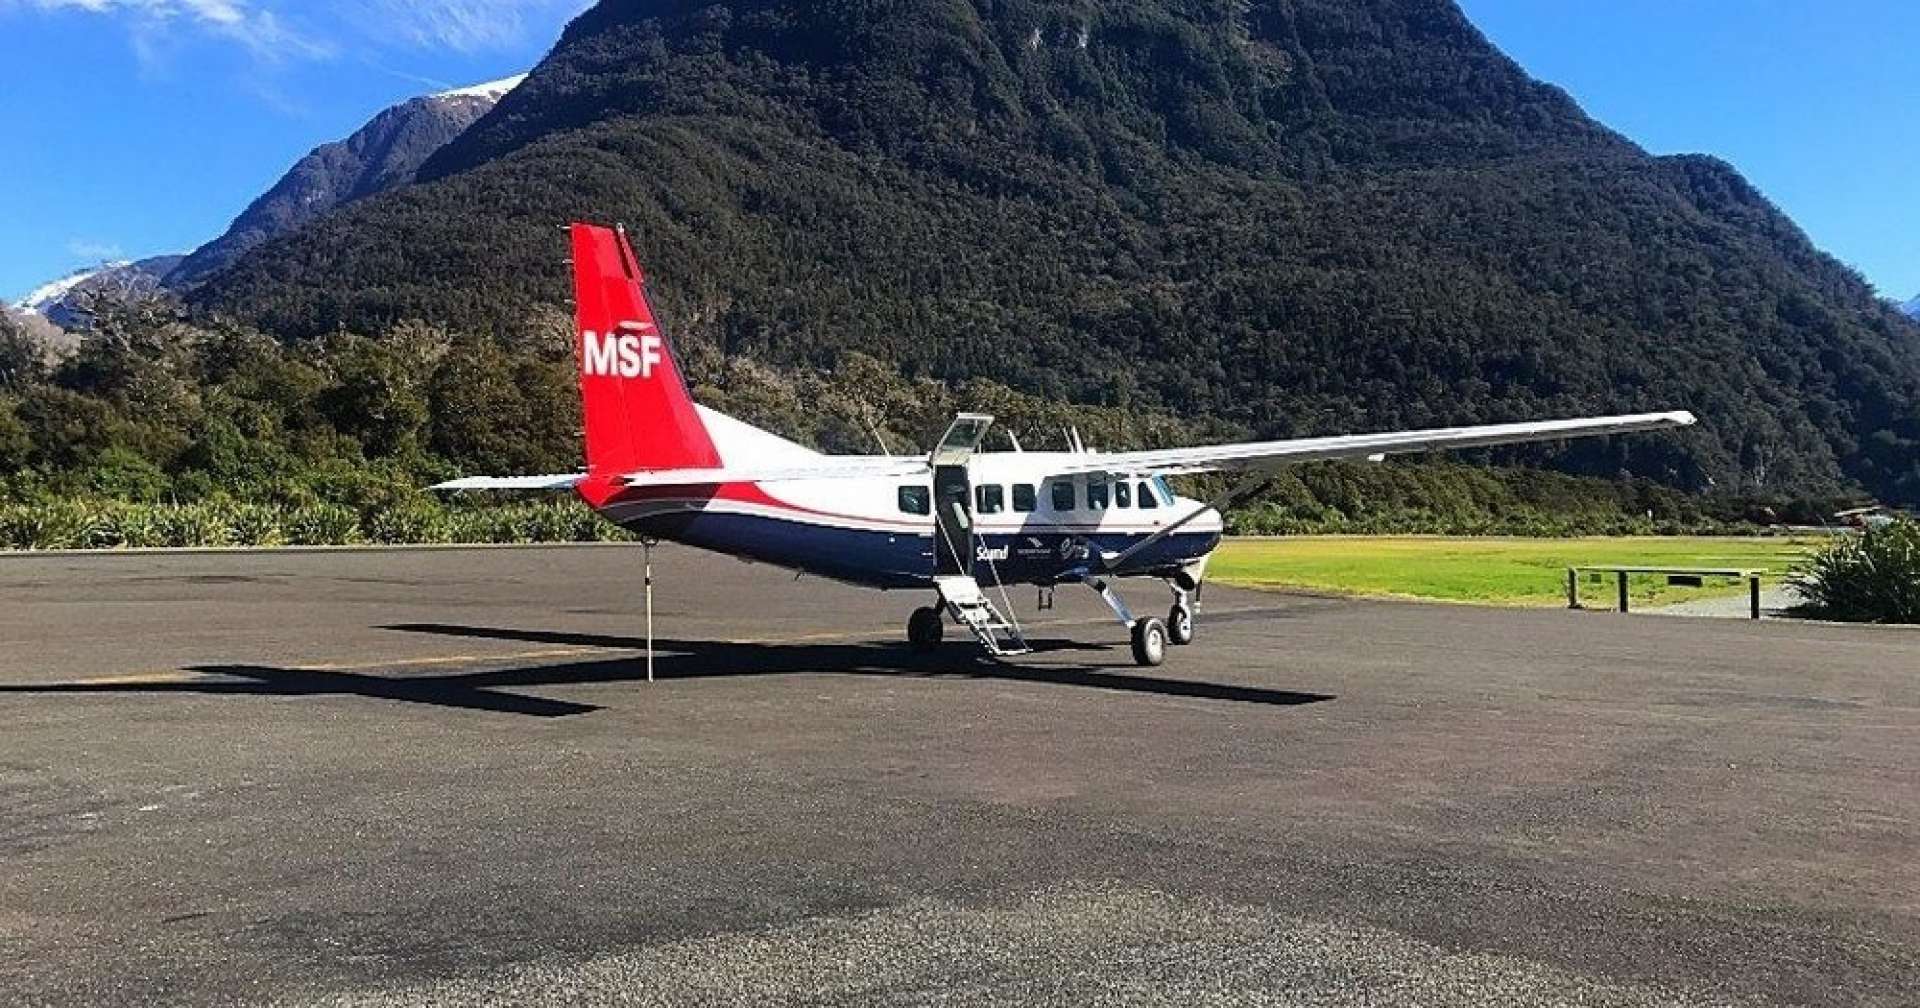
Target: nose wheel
[(1180, 622)]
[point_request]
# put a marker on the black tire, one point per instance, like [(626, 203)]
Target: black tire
[(925, 628), (1180, 624), (1149, 641)]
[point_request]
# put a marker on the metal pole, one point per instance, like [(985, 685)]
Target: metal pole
[(1623, 591), (647, 545), (1573, 588), (1753, 594)]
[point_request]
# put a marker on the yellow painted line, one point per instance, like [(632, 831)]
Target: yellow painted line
[(458, 659), (132, 679)]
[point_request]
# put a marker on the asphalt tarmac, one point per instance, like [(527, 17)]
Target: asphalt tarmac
[(441, 777)]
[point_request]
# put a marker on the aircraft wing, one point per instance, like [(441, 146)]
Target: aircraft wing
[(557, 481), (1273, 454)]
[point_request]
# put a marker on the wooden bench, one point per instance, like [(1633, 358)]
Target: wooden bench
[(1752, 577)]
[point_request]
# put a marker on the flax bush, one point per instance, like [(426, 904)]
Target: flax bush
[(118, 525), (1873, 577)]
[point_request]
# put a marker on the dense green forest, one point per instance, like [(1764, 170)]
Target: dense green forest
[(1265, 217), (166, 430)]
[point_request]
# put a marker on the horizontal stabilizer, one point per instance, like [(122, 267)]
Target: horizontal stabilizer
[(563, 481)]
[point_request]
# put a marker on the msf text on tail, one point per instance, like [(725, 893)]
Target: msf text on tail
[(954, 522)]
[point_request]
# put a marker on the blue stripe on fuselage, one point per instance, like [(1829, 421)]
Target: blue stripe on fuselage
[(904, 559)]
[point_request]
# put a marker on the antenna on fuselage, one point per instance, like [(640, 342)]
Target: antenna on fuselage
[(874, 429)]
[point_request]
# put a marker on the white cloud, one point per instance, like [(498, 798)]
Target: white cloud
[(463, 25), (276, 31), (93, 250), (155, 23)]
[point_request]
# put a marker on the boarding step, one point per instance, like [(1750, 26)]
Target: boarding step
[(971, 608)]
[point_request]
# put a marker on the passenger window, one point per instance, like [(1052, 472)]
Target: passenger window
[(1096, 496), (1148, 499), (1123, 494), (990, 498), (1063, 495), (1023, 497), (916, 500)]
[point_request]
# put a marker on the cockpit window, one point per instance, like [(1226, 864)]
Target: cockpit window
[(1148, 499), (1123, 494)]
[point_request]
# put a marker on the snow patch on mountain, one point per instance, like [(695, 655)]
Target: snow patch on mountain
[(491, 89), (39, 298)]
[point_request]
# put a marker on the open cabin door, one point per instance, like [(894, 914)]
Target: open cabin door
[(953, 494)]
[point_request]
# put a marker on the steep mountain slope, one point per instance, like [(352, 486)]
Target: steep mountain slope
[(63, 302), (378, 156), (1292, 216), (1912, 308)]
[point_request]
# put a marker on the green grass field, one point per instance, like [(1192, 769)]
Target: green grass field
[(1497, 571)]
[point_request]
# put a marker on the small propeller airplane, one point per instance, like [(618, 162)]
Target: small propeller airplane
[(667, 468)]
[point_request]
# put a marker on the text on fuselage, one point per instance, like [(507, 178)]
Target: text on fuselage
[(629, 353)]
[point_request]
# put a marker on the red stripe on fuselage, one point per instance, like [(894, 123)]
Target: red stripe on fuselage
[(743, 493)]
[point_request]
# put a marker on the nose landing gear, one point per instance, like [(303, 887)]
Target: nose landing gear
[(1180, 621)]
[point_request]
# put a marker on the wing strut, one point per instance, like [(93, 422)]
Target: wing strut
[(1251, 484)]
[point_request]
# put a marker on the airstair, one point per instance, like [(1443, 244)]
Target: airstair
[(970, 607), (954, 553)]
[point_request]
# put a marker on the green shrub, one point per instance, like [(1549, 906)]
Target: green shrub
[(128, 525), (58, 525), (323, 525), (257, 524), (1869, 578), (192, 525), (411, 522)]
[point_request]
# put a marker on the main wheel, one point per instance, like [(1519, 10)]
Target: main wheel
[(1149, 641), (1180, 624), (925, 628)]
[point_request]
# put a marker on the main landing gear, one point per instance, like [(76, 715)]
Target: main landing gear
[(1149, 641), (925, 628), (1150, 636)]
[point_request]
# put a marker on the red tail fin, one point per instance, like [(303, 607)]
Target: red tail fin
[(637, 412)]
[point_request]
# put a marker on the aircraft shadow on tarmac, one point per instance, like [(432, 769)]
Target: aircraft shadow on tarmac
[(489, 688)]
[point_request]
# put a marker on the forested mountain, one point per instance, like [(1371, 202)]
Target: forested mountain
[(1281, 216), (1912, 308), (376, 157)]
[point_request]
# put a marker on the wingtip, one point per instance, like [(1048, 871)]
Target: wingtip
[(1683, 418)]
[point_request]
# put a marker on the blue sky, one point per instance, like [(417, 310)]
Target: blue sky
[(137, 127), (1816, 102)]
